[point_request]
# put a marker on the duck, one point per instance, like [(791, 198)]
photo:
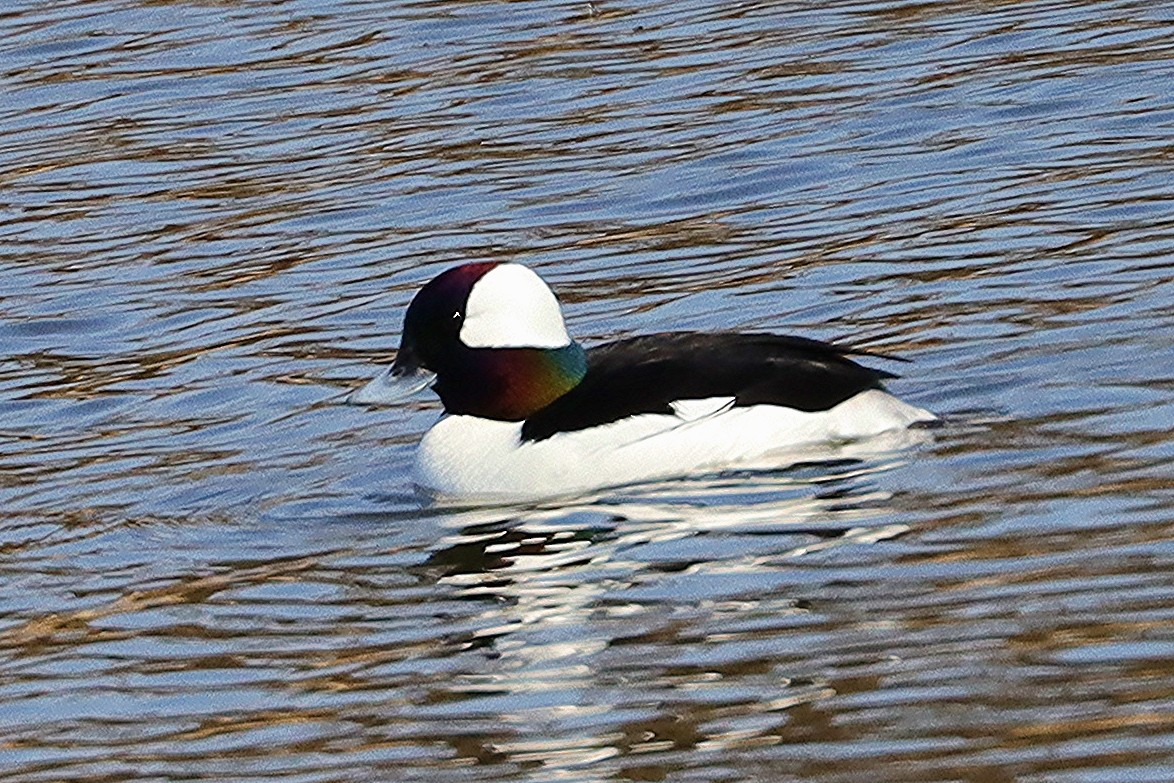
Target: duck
[(529, 413)]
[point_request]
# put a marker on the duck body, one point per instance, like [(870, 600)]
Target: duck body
[(531, 414)]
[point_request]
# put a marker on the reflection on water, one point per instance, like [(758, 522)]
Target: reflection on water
[(519, 630), (213, 215)]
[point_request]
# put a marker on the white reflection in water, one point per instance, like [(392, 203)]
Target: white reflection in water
[(566, 585)]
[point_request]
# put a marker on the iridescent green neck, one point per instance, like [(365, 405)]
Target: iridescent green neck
[(510, 384)]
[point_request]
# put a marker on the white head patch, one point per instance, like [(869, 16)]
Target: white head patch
[(510, 307)]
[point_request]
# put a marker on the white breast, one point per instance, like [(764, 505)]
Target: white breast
[(470, 457)]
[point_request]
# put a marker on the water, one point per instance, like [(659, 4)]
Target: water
[(212, 216)]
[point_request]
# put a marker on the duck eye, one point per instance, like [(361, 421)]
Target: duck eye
[(457, 315)]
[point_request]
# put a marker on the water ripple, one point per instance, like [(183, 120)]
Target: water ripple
[(213, 215)]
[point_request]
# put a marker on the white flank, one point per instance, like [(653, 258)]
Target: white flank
[(470, 457), (511, 307)]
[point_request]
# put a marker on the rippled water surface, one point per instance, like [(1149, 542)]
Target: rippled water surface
[(212, 215)]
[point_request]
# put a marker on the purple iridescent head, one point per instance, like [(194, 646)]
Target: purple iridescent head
[(493, 336)]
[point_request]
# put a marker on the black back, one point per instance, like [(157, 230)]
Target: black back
[(645, 374)]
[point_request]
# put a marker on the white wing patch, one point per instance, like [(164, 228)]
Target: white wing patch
[(692, 410)]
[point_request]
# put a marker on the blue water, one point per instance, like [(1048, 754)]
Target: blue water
[(213, 215)]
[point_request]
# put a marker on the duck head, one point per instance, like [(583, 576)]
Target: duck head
[(489, 338)]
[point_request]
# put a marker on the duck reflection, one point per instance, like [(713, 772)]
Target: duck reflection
[(684, 588)]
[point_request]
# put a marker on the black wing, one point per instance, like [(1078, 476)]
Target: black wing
[(646, 374)]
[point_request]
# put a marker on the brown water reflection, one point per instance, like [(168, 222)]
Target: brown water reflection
[(212, 216)]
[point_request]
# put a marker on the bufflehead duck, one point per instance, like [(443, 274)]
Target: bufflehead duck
[(530, 413)]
